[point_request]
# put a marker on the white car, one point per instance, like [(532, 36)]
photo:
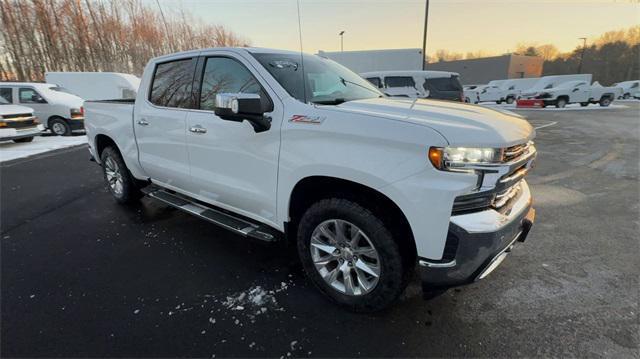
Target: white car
[(278, 146), (17, 123), (59, 111), (578, 92), (438, 85), (630, 89), (96, 85)]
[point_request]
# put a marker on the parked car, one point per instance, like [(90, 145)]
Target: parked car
[(630, 89), (506, 90), (59, 111), (471, 93), (17, 123), (547, 82), (439, 85), (578, 92), (96, 85), (275, 145)]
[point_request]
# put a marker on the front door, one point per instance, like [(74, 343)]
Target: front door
[(29, 97), (232, 165), (160, 123)]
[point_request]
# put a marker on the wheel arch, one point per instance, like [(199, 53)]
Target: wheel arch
[(310, 189), (55, 117), (102, 141)]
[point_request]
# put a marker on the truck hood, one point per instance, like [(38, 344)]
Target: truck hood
[(460, 124), (14, 110)]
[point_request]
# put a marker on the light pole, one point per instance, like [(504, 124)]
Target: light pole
[(341, 34), (584, 46), (424, 34)]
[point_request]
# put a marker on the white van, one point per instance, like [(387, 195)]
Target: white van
[(58, 110), (439, 85), (96, 85)]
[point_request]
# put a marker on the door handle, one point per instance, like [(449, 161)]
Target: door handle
[(198, 129), (143, 122)]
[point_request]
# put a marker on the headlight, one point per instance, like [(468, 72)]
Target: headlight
[(450, 158), (77, 112)]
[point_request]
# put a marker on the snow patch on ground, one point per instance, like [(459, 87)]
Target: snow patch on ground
[(10, 150), (570, 107)]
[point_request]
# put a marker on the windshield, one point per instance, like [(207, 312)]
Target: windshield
[(325, 81)]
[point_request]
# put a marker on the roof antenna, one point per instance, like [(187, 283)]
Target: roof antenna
[(304, 84)]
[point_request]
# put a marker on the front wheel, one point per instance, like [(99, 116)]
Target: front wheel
[(626, 96), (121, 184), (561, 103), (59, 127), (510, 100), (584, 104), (351, 256)]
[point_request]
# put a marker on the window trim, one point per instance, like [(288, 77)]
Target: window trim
[(199, 76), (34, 90), (153, 79)]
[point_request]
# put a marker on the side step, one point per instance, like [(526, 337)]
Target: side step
[(243, 227)]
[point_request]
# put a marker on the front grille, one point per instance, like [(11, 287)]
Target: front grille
[(513, 152), (20, 124), (14, 116)]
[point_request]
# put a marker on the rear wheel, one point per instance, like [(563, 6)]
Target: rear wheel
[(59, 127), (351, 256), (120, 182), (499, 102), (584, 104), (561, 102), (25, 139), (510, 100), (605, 101)]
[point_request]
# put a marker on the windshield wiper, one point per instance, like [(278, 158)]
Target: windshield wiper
[(345, 82), (335, 101)]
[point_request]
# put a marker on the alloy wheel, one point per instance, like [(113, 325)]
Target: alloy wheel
[(114, 176), (344, 257)]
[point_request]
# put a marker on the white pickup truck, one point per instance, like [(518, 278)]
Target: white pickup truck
[(577, 92), (275, 145)]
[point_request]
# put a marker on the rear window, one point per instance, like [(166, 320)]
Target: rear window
[(171, 86), (399, 81), (443, 84), (375, 81)]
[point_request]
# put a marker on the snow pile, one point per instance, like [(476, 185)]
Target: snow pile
[(11, 150), (256, 299)]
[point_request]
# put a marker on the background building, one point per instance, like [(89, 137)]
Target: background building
[(483, 70)]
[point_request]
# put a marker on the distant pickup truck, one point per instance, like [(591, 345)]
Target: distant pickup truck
[(280, 146), (576, 92)]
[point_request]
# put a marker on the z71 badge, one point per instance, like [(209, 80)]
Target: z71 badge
[(314, 120)]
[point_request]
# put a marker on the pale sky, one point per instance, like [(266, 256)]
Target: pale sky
[(494, 26)]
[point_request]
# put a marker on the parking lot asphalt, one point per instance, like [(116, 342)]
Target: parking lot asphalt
[(82, 276)]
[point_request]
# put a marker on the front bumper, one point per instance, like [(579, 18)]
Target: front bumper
[(8, 134), (477, 243)]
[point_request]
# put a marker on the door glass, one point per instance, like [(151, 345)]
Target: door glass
[(171, 85), (225, 75), (399, 81), (6, 94), (375, 81), (28, 95)]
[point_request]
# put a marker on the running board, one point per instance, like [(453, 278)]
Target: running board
[(223, 219)]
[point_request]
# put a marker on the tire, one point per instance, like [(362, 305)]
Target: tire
[(59, 127), (510, 100), (561, 103), (605, 101), (23, 140), (120, 182), (626, 96), (316, 226), (467, 100), (584, 104), (499, 102)]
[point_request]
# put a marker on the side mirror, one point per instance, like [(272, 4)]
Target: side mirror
[(243, 106), (37, 98)]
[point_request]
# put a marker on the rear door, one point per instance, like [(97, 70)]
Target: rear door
[(232, 165), (160, 123), (444, 88)]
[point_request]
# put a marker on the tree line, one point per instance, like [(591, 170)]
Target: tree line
[(95, 35), (612, 57)]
